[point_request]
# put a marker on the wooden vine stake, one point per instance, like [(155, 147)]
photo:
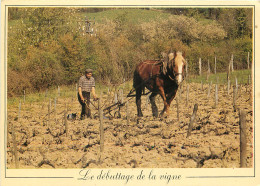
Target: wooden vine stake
[(215, 70), (216, 93), (209, 88), (65, 120), (236, 88), (59, 91), (101, 128), (177, 104), (121, 94), (228, 79), (186, 69), (180, 92), (15, 148), (55, 108), (127, 113), (200, 66), (216, 96), (232, 63), (208, 67), (23, 96), (187, 95), (228, 86), (228, 72), (243, 139), (192, 119), (19, 112), (208, 71), (49, 114), (46, 93), (234, 97), (115, 99)]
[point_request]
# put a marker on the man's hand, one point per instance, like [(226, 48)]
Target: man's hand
[(83, 100), (81, 96)]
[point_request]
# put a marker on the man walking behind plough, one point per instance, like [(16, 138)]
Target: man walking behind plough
[(86, 85)]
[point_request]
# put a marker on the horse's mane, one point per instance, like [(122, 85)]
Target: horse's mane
[(178, 53), (167, 59)]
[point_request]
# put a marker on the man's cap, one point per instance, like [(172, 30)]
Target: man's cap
[(88, 70)]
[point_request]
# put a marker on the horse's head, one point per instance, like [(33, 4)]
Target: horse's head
[(176, 64)]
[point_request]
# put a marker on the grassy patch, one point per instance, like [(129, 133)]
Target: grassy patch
[(131, 15), (50, 94), (65, 92), (241, 75), (70, 91)]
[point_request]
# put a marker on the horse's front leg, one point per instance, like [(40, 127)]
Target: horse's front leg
[(166, 106), (171, 96)]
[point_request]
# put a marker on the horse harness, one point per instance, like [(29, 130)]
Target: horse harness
[(154, 64), (162, 70), (159, 62)]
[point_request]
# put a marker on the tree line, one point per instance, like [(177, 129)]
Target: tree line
[(49, 46)]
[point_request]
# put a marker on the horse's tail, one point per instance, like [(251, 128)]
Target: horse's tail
[(135, 80), (138, 83)]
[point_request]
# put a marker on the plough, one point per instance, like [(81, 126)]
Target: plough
[(108, 111)]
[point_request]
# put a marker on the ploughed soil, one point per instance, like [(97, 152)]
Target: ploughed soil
[(42, 141)]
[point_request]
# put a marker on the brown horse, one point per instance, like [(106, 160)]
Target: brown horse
[(160, 77)]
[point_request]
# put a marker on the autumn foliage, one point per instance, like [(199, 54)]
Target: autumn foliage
[(49, 46)]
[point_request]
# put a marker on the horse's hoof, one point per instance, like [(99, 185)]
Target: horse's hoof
[(140, 115)]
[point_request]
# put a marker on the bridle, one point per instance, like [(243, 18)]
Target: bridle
[(175, 75)]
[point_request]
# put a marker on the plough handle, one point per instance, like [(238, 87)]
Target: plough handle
[(118, 103)]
